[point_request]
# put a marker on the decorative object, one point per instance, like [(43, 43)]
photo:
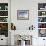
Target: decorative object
[(43, 13), (42, 32), (41, 25), (22, 14), (27, 39), (3, 13), (0, 7), (23, 40), (6, 7), (42, 6), (4, 29), (3, 19), (22, 43), (41, 19), (13, 27), (31, 27)]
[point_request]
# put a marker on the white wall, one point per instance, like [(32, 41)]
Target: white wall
[(24, 5), (32, 6)]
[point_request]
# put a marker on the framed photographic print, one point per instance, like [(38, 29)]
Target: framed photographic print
[(22, 14)]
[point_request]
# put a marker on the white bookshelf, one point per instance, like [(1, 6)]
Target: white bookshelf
[(42, 18), (4, 18), (3, 22), (42, 10), (41, 28), (3, 10), (41, 22)]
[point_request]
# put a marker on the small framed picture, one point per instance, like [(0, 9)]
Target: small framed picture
[(22, 14)]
